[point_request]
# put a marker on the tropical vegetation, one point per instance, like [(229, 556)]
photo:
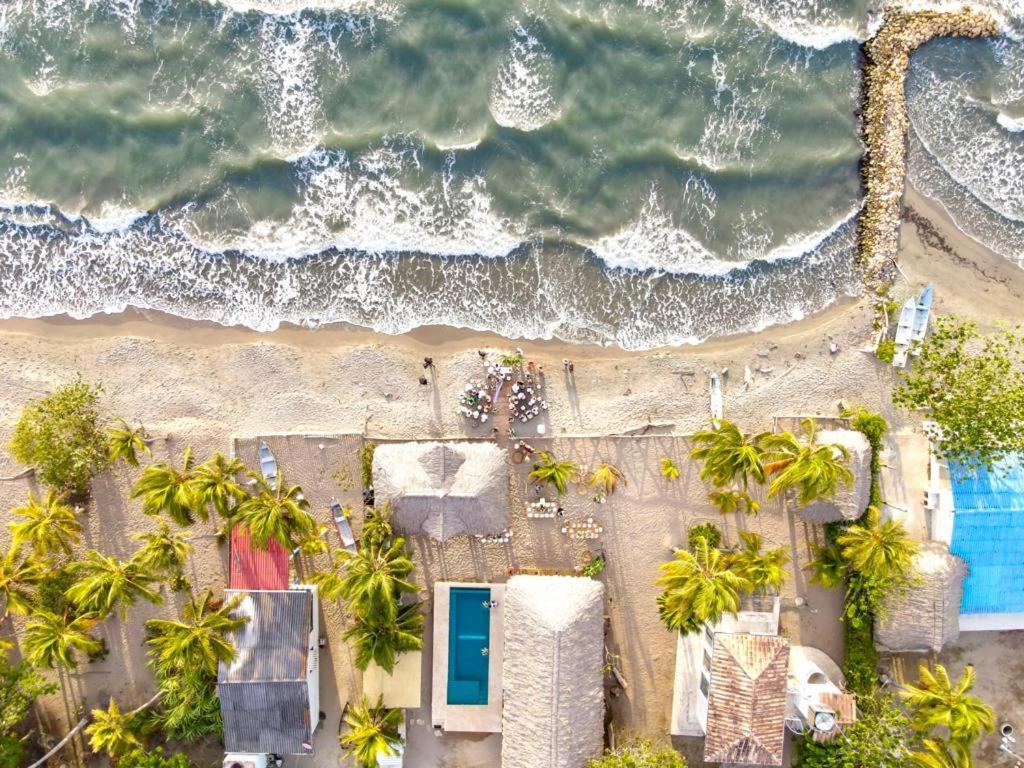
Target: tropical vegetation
[(49, 525), (766, 571), (18, 576), (279, 512), (550, 471), (20, 685), (61, 437), (52, 641), (937, 702), (169, 490), (972, 386), (126, 442), (640, 753), (669, 470), (698, 588), (606, 478), (372, 731), (153, 758), (813, 470), (879, 738), (707, 531), (730, 455), (104, 582), (114, 732)]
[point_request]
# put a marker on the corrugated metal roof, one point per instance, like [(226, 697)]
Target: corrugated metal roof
[(273, 644), (253, 568), (988, 533), (747, 700), (266, 717), (264, 693)]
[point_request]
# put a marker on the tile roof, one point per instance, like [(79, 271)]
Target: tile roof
[(264, 693), (253, 568), (747, 700), (988, 533)]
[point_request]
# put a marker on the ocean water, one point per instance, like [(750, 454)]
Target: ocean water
[(632, 172)]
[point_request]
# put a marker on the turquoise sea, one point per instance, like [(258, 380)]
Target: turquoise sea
[(636, 172)]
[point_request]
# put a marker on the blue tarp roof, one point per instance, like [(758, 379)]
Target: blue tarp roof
[(988, 533)]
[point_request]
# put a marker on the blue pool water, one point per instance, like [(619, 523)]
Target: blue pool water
[(469, 640), (988, 533)]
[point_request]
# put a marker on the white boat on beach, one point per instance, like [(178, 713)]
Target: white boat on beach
[(922, 313), (268, 464), (717, 403), (904, 330)]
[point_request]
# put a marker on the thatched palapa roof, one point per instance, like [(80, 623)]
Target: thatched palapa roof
[(553, 686), (927, 616), (850, 501), (443, 489)]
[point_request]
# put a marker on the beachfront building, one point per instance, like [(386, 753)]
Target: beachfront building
[(739, 683), (851, 500), (979, 516), (443, 489), (523, 659), (270, 692)]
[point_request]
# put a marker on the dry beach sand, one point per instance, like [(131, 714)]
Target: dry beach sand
[(200, 385)]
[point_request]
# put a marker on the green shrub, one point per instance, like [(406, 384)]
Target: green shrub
[(879, 739), (707, 531), (366, 464), (886, 351), (860, 660), (154, 758), (20, 684), (594, 566), (51, 589), (640, 753), (62, 436)]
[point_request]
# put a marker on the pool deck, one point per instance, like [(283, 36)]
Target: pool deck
[(466, 718)]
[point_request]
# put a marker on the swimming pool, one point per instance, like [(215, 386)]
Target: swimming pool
[(988, 533), (469, 641)]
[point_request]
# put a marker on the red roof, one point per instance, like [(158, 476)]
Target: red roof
[(253, 568)]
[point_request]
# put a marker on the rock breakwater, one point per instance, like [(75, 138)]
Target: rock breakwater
[(885, 123)]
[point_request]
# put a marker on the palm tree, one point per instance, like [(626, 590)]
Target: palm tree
[(549, 470), (49, 525), (215, 485), (729, 455), (17, 575), (669, 470), (375, 578), (104, 582), (764, 570), (381, 640), (164, 552), (937, 753), (607, 478), (168, 490), (198, 642), (731, 500), (114, 732), (815, 470), (937, 702), (376, 524), (279, 513), (877, 549), (51, 640), (372, 733), (828, 568), (698, 588), (126, 442)]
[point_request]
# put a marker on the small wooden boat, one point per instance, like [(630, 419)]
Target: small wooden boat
[(268, 464), (904, 329), (717, 402), (922, 313), (341, 522)]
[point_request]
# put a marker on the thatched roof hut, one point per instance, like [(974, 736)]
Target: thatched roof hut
[(850, 501), (927, 616), (443, 489), (553, 686)]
